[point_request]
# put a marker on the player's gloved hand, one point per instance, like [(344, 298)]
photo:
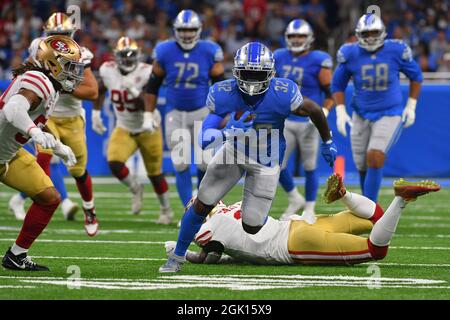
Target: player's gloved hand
[(342, 118), (329, 152), (97, 123), (133, 92), (46, 140), (152, 120), (236, 127), (65, 153), (409, 113)]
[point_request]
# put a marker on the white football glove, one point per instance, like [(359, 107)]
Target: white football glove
[(152, 120), (65, 153), (342, 118), (409, 113), (131, 88), (97, 122), (46, 140)]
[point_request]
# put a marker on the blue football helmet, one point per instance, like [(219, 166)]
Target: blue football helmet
[(298, 27), (370, 32), (254, 67), (187, 28)]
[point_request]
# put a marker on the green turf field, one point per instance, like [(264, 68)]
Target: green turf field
[(121, 262)]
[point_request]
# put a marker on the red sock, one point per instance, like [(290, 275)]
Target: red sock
[(377, 215), (37, 218), (159, 184), (376, 252), (43, 159), (84, 185)]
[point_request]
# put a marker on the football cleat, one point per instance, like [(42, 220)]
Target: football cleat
[(90, 222), (409, 191), (335, 189), (20, 262), (69, 209), (138, 194), (16, 206), (166, 216), (173, 264), (294, 206)]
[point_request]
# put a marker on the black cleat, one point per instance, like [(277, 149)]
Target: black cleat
[(20, 262)]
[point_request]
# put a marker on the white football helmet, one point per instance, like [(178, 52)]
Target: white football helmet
[(254, 67), (367, 25), (298, 27), (187, 28)]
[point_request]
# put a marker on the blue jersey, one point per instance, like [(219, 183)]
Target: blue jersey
[(270, 109), (375, 77), (303, 70), (187, 72)]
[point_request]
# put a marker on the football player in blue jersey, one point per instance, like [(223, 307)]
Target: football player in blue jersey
[(379, 115), (187, 64), (257, 105), (311, 70)]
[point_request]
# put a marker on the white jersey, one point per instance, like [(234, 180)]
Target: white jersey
[(128, 115), (67, 106), (268, 246), (11, 138)]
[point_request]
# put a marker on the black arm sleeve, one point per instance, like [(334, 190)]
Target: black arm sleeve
[(153, 84), (326, 90), (218, 78)]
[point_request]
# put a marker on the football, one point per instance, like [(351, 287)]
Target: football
[(239, 114)]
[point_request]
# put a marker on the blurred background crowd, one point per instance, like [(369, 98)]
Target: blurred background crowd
[(423, 24)]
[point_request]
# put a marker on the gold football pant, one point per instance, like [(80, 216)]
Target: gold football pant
[(123, 144), (331, 240), (24, 174), (71, 132)]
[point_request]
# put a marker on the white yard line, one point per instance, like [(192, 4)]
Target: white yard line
[(91, 241)]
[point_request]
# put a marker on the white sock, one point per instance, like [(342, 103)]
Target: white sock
[(128, 181), (88, 204), (384, 229), (294, 195), (359, 205), (309, 206), (164, 199), (16, 250)]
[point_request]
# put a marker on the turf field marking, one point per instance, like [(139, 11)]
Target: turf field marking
[(236, 282), (103, 231), (409, 264), (16, 287), (91, 241)]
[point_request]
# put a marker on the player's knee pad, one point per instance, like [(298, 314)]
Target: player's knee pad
[(49, 196), (180, 167), (76, 171), (309, 165), (116, 167)]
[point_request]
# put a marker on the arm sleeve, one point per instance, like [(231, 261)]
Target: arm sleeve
[(340, 79), (210, 131), (409, 66), (296, 98), (16, 113)]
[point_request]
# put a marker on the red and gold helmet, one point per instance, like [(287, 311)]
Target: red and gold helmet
[(59, 23), (127, 54), (61, 56)]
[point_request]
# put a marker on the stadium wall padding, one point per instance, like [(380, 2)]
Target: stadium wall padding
[(423, 150)]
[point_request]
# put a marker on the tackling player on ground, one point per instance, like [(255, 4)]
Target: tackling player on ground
[(378, 116), (265, 102), (332, 239), (125, 78), (67, 121), (25, 107), (311, 70), (187, 65)]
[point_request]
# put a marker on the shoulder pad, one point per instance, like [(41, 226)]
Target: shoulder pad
[(344, 52), (86, 56)]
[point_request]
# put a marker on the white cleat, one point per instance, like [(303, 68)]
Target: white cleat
[(16, 205), (309, 217), (90, 222), (294, 206), (166, 216), (173, 264), (138, 194), (69, 209)]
